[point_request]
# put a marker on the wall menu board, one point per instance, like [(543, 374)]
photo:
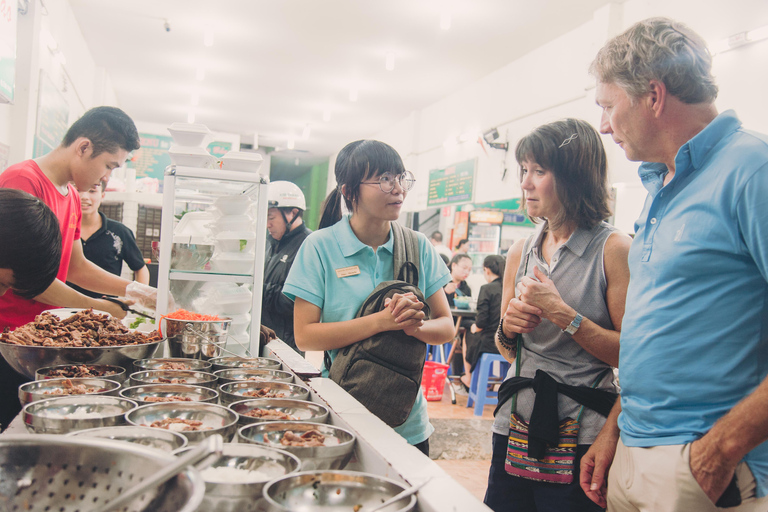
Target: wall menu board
[(451, 185), (8, 10), (52, 117), (513, 214)]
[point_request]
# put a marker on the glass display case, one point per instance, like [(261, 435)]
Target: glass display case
[(212, 247)]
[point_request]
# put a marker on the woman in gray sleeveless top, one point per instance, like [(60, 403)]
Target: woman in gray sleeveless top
[(564, 291)]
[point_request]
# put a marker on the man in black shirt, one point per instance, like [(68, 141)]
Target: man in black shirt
[(286, 232), (107, 242)]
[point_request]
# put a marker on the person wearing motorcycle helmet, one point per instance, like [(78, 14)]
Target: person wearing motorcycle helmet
[(287, 232)]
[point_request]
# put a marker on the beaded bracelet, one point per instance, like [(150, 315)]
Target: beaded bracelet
[(504, 341)]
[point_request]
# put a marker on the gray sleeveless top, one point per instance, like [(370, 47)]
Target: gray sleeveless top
[(577, 271)]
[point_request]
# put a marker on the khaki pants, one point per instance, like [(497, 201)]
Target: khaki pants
[(659, 479)]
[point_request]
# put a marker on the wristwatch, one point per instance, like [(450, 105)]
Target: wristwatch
[(574, 325)]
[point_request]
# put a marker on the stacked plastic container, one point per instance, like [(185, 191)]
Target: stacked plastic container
[(189, 148)]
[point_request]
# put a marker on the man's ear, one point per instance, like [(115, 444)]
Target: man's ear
[(83, 146), (656, 97)]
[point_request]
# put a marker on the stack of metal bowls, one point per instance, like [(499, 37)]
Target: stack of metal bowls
[(196, 339)]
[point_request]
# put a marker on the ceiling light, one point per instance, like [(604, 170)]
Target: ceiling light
[(326, 115), (195, 100), (390, 63), (353, 94), (200, 74), (291, 144), (445, 21), (190, 117), (208, 36), (737, 40), (758, 34), (305, 132)]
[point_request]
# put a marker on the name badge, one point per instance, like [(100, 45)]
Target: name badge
[(347, 271)]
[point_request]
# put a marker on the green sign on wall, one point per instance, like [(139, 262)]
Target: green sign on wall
[(52, 117), (451, 185), (8, 15)]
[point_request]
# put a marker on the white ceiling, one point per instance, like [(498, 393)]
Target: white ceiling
[(276, 66)]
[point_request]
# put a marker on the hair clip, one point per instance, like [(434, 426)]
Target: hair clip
[(568, 140)]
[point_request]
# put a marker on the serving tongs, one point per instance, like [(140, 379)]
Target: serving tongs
[(201, 457), (125, 307)]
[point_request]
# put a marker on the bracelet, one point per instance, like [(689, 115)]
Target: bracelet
[(509, 344)]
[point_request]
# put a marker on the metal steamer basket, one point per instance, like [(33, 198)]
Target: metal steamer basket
[(196, 339), (68, 474)]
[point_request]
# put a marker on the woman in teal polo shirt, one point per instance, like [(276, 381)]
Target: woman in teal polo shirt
[(337, 268)]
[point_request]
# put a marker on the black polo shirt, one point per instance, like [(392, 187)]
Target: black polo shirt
[(108, 247)]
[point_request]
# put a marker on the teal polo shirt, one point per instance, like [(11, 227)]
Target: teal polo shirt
[(694, 338), (313, 277)]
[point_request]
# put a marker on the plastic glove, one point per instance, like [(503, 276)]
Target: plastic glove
[(143, 294)]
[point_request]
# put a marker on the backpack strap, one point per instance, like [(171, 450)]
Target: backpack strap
[(405, 252)]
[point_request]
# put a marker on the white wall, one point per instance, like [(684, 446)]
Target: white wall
[(82, 83), (552, 82)]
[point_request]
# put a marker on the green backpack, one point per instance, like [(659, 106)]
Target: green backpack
[(384, 372)]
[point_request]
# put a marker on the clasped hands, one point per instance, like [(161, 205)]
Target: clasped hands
[(535, 299), (403, 311)]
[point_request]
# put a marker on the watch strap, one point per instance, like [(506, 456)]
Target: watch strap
[(574, 325)]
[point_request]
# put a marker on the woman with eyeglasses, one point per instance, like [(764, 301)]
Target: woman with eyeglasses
[(341, 263)]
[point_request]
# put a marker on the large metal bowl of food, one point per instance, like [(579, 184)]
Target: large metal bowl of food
[(64, 415), (157, 393), (252, 374), (228, 362), (196, 339), (317, 446), (194, 420), (172, 363), (84, 337), (72, 371), (334, 491), (234, 483), (53, 388), (279, 409), (47, 472), (191, 377), (237, 391), (145, 436)]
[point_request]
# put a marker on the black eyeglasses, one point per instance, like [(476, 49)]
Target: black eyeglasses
[(387, 181)]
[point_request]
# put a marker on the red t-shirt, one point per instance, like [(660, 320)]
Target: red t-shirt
[(27, 176)]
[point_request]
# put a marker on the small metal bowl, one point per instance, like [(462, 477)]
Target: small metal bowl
[(253, 375), (223, 363), (98, 371), (300, 410), (334, 490), (339, 444), (236, 391), (190, 377), (56, 388), (216, 419), (141, 394), (64, 415), (227, 482), (159, 363), (152, 437)]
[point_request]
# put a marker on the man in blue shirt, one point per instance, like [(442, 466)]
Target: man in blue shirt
[(690, 429)]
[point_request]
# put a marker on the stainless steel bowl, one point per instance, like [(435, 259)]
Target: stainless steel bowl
[(47, 472), (299, 410), (101, 371), (55, 388), (145, 436), (338, 448), (157, 363), (140, 394), (186, 256), (215, 418), (190, 377), (236, 480), (223, 363), (236, 391), (196, 339), (334, 491), (64, 415), (27, 359), (253, 375)]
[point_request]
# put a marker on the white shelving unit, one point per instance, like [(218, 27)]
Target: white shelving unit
[(203, 186)]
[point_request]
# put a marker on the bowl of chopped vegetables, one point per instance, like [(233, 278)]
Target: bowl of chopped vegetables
[(195, 336)]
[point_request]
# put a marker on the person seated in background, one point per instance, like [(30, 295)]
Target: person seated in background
[(30, 251), (106, 242), (462, 247), (437, 242), (460, 267), (480, 339)]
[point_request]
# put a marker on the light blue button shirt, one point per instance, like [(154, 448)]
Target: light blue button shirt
[(694, 339), (313, 278)]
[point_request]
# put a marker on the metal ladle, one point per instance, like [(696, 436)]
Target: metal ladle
[(211, 446), (397, 497)]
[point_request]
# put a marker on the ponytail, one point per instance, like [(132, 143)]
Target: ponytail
[(331, 209)]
